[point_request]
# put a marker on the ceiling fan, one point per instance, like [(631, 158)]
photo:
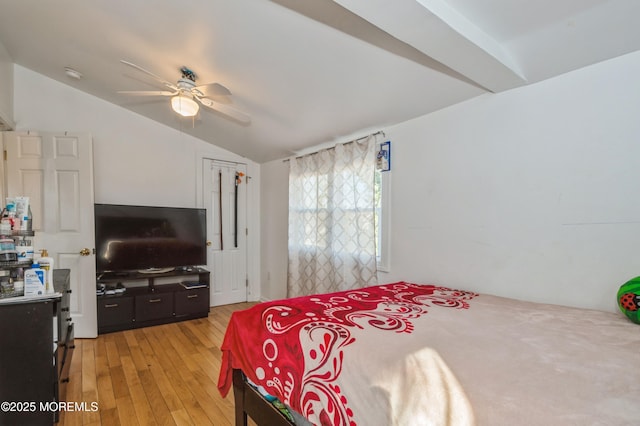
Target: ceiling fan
[(186, 97)]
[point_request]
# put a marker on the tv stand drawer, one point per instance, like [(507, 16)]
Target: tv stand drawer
[(190, 302), (154, 306), (115, 311)]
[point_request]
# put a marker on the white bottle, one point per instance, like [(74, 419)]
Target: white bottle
[(46, 263), (34, 281), (27, 219)]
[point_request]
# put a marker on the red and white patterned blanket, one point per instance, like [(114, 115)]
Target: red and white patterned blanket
[(348, 358)]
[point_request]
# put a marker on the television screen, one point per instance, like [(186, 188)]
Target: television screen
[(146, 238)]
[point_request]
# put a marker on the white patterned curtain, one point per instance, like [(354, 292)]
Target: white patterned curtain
[(331, 220)]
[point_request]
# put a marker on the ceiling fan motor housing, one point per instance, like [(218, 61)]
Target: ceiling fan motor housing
[(188, 74)]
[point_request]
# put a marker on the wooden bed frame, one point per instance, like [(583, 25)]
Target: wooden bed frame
[(248, 402)]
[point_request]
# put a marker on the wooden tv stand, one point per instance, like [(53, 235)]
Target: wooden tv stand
[(152, 299)]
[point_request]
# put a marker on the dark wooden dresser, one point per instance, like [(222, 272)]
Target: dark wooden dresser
[(36, 346)]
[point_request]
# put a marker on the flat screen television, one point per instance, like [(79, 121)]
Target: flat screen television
[(149, 239)]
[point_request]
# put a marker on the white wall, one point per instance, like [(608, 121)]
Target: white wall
[(275, 223), (6, 88), (136, 160), (531, 193)]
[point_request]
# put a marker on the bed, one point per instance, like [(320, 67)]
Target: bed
[(409, 354)]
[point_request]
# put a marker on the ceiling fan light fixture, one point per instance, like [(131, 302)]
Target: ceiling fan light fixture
[(184, 105)]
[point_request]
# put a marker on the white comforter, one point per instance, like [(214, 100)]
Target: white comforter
[(500, 362)]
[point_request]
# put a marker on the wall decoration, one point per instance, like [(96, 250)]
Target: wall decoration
[(383, 158)]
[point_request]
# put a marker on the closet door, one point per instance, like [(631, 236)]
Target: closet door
[(55, 170), (225, 197)]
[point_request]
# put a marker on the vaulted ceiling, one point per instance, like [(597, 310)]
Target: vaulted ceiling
[(312, 71)]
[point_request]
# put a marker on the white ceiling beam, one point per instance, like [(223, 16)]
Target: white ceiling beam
[(442, 33)]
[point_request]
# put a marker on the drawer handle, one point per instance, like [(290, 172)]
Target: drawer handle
[(192, 296), (111, 305), (155, 300)]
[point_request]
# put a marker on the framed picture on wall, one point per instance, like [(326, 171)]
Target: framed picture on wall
[(383, 159)]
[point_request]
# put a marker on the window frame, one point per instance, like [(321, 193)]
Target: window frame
[(383, 228)]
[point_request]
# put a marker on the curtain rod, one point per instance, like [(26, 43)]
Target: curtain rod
[(379, 132)]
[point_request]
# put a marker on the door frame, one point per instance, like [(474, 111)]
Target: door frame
[(253, 214)]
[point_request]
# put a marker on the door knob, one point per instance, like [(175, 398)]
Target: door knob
[(85, 252), (208, 243)]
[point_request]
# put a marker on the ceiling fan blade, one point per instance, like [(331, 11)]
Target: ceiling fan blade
[(148, 92), (226, 110), (160, 79), (213, 89)]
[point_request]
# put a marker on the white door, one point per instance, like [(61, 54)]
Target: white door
[(56, 172), (225, 197)]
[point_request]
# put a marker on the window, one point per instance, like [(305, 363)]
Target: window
[(332, 238), (313, 206), (320, 204)]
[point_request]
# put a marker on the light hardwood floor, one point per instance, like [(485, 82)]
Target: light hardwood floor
[(163, 375)]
